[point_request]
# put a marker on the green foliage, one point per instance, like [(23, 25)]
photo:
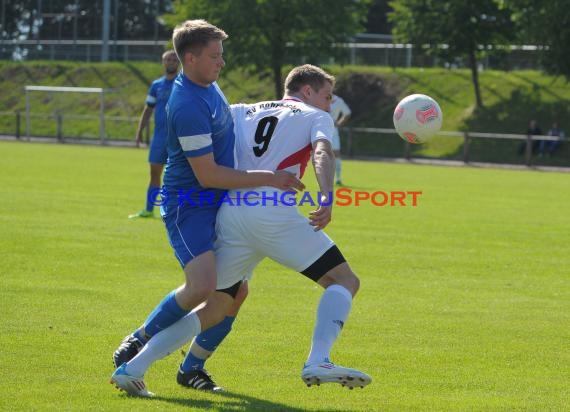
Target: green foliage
[(462, 26), (264, 35), (465, 27), (546, 23), (464, 301)]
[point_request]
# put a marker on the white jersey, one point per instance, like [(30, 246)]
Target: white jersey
[(339, 109), (272, 135), (278, 135)]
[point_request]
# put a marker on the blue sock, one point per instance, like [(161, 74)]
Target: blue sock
[(209, 340), (140, 336), (151, 198), (165, 314)]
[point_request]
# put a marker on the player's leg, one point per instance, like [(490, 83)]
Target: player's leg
[(152, 191), (204, 345), (192, 373), (129, 376), (191, 234), (200, 277), (333, 273), (154, 184), (235, 261), (316, 256), (157, 158)]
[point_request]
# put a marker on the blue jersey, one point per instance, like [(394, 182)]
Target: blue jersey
[(157, 98), (199, 122)]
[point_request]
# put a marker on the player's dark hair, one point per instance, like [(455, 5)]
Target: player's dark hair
[(167, 53), (193, 35), (307, 74)]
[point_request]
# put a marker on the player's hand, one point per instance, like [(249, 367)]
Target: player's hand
[(138, 141), (321, 217), (286, 181)]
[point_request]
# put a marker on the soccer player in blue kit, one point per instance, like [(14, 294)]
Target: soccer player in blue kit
[(156, 100), (249, 232), (200, 165)]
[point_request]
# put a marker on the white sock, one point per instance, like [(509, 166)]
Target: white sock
[(331, 314), (164, 343), (338, 168)]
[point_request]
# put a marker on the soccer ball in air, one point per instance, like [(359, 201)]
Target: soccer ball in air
[(417, 118)]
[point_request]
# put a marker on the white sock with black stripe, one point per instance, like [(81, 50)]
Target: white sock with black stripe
[(332, 312), (165, 342)]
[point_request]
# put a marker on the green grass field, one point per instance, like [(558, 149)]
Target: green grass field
[(464, 302)]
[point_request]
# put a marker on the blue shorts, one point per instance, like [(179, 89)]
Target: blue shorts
[(191, 230), (157, 152)]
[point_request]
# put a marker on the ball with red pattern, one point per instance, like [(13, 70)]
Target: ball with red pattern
[(417, 118)]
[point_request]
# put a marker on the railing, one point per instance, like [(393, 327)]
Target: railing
[(365, 50), (81, 50), (126, 132), (56, 125), (466, 135)]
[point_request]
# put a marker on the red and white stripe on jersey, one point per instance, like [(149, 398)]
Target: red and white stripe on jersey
[(278, 135)]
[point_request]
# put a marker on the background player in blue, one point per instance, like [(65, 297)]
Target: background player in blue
[(200, 165), (156, 100)]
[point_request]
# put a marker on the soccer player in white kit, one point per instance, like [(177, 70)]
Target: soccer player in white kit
[(255, 223), (340, 112)]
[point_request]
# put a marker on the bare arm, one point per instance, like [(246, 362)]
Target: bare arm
[(143, 123), (210, 174), (344, 118), (323, 163)]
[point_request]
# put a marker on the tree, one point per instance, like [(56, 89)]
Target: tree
[(453, 28), (267, 34), (377, 20), (545, 23), (81, 19)]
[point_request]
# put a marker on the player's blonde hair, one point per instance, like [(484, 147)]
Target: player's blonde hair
[(307, 74), (193, 35)]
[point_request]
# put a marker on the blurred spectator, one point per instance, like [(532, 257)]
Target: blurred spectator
[(551, 145), (533, 130)]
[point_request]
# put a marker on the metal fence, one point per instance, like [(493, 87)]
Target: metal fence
[(378, 51), (56, 125), (526, 142), (80, 50), (352, 136)]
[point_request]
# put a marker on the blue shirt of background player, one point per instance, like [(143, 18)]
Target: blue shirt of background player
[(199, 122), (157, 98)]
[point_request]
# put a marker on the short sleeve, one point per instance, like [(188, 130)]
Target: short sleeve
[(193, 129)]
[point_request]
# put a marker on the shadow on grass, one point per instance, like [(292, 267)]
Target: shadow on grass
[(237, 402), (426, 88), (138, 74), (537, 86)]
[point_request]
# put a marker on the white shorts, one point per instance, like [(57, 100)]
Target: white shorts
[(248, 234), (336, 140)]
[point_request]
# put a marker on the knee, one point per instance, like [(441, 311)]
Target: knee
[(215, 309), (351, 282), (356, 285), (242, 293), (346, 278), (197, 291)]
